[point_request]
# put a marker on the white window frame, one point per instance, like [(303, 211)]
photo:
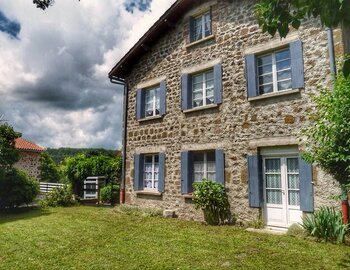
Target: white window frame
[(274, 71), (202, 18), (153, 171), (204, 87), (154, 101), (205, 167)]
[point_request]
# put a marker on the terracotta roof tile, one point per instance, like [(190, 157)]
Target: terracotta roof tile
[(23, 144)]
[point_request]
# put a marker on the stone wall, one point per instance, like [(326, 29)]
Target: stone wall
[(234, 124), (30, 163)]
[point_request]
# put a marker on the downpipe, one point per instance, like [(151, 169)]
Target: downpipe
[(120, 81)]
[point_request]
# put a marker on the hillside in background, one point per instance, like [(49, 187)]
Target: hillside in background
[(59, 154)]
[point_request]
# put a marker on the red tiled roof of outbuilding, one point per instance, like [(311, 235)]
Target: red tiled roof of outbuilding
[(23, 144)]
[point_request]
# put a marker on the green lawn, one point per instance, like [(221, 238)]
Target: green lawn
[(101, 238)]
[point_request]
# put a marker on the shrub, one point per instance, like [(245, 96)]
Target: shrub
[(109, 195), (17, 188), (60, 197), (296, 230), (326, 223), (211, 197)]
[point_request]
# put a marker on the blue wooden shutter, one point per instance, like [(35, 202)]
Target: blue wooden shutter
[(251, 75), (186, 172), (162, 98), (138, 171), (191, 29), (306, 187), (220, 166), (161, 173), (217, 84), (140, 104), (186, 91), (297, 64), (255, 181)]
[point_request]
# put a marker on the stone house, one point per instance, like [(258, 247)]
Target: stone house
[(29, 157), (208, 95)]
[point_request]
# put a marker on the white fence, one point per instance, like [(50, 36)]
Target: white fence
[(47, 187)]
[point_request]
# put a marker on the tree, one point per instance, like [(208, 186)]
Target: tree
[(49, 169), (43, 4), (279, 15), (328, 137), (9, 155)]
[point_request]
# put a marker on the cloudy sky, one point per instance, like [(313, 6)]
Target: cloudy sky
[(54, 65)]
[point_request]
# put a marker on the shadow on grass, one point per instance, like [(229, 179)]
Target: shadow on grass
[(22, 213)]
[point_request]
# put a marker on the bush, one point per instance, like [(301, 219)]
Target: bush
[(326, 223), (138, 211), (296, 230), (17, 188), (211, 197), (60, 197), (107, 195)]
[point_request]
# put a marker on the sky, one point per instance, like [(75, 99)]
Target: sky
[(54, 84)]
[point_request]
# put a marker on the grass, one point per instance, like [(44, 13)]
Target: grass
[(103, 238)]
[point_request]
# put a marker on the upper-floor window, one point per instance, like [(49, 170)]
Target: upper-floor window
[(151, 101), (152, 98), (275, 71), (201, 27), (203, 88)]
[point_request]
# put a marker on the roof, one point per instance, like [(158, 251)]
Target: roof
[(166, 22), (23, 144)]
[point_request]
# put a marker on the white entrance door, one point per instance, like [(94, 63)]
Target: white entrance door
[(281, 191)]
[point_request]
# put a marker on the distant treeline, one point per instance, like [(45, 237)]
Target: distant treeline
[(59, 154)]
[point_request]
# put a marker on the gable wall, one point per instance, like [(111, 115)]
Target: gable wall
[(30, 163)]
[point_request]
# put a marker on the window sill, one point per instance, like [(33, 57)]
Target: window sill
[(194, 43), (276, 94), (201, 108), (150, 118), (149, 192), (187, 196)]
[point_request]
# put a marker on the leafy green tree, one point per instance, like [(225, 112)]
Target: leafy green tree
[(279, 15), (9, 155), (49, 169), (328, 137), (76, 169)]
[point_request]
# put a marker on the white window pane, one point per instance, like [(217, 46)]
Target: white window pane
[(281, 55), (197, 79), (283, 65), (198, 95), (285, 85), (148, 184), (274, 196), (155, 185), (209, 100), (273, 181), (292, 165), (198, 166), (265, 79), (273, 165), (211, 166), (209, 76), (283, 75), (293, 197), (197, 103), (198, 176), (293, 181), (264, 60), (265, 69), (264, 89), (211, 176)]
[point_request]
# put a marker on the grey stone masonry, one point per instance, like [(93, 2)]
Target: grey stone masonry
[(238, 126)]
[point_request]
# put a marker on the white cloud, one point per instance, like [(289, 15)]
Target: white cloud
[(54, 78)]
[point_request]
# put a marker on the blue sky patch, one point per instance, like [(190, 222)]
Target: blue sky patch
[(8, 26), (142, 5)]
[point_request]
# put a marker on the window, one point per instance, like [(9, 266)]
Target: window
[(196, 165), (201, 27), (151, 172), (151, 101), (203, 89), (152, 104), (274, 72), (204, 166)]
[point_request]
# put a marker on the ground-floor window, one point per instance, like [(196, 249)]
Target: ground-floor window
[(204, 166), (151, 171)]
